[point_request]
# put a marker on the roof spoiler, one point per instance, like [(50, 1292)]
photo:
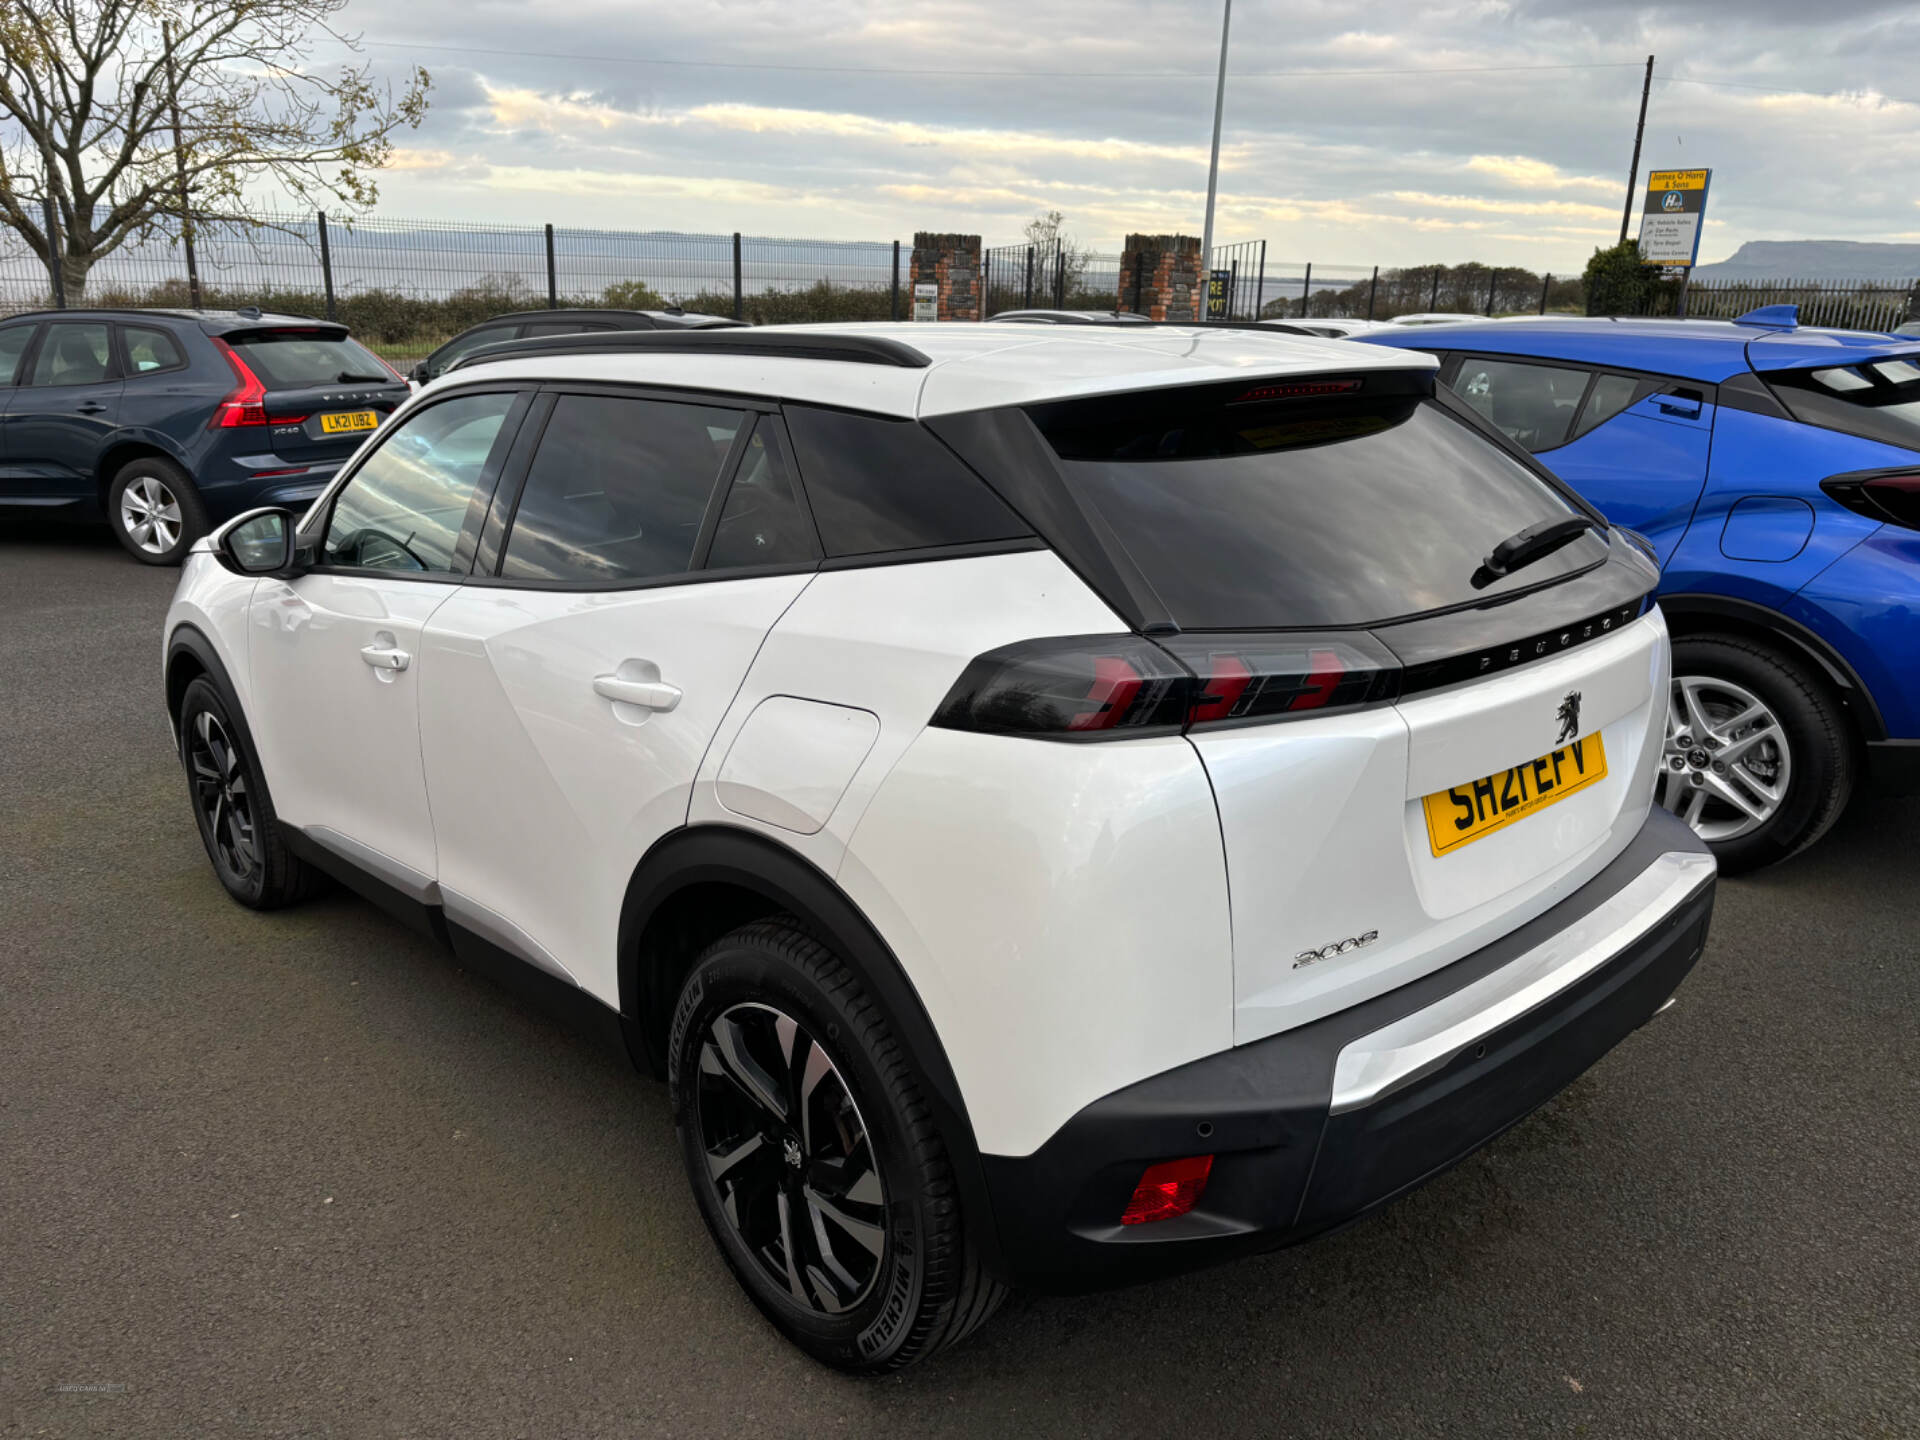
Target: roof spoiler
[(1772, 317)]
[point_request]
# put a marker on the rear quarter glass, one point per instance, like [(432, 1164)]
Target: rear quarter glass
[(1877, 399), (1307, 513)]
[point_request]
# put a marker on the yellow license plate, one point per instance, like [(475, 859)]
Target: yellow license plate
[(1466, 812), (348, 421)]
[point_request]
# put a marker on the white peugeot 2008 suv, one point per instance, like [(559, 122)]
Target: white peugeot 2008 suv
[(1059, 806)]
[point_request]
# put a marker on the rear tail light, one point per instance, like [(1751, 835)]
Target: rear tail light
[(1108, 687), (246, 403), (1168, 1190), (1889, 496), (1086, 687), (1265, 677)]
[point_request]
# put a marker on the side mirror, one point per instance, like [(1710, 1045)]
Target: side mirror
[(260, 543), (419, 374)]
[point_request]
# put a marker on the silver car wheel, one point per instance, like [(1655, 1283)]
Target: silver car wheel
[(1726, 763), (150, 514)]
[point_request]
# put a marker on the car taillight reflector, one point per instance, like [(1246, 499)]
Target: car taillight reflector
[(246, 403), (1891, 497), (1168, 1190)]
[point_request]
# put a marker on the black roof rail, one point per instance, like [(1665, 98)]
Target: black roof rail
[(768, 342)]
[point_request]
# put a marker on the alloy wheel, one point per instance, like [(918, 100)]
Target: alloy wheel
[(790, 1158), (150, 514), (1726, 764), (221, 795)]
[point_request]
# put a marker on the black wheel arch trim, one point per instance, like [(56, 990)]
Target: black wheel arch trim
[(725, 854), (189, 639), (1800, 641)]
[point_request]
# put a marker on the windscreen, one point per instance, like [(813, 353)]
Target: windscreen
[(1314, 512), (1876, 399), (299, 359)]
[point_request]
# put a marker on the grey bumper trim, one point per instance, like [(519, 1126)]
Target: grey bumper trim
[(1376, 1065)]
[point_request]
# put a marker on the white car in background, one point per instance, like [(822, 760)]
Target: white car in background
[(1058, 805)]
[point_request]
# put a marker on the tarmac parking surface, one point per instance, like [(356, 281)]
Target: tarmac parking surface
[(300, 1174)]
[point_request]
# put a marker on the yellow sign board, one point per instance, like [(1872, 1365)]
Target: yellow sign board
[(1677, 180)]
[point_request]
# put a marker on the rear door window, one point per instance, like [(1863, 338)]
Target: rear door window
[(1611, 394), (303, 360), (618, 490), (1875, 400), (878, 485), (1533, 405), (765, 522), (73, 353), (1305, 513)]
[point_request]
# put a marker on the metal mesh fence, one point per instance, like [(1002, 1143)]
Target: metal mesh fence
[(1048, 277), (1868, 305), (404, 286)]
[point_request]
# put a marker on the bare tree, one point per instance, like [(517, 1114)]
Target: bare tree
[(1045, 231), (126, 112)]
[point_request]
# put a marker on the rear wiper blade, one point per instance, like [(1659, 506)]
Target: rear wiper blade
[(1523, 547), (347, 377)]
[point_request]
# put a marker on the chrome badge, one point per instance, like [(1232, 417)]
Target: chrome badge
[(1569, 718), (1339, 947)]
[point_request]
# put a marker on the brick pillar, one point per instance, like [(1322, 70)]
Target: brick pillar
[(1166, 269), (953, 263)]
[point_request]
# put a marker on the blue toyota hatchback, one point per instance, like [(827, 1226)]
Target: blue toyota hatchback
[(1775, 471), (166, 422)]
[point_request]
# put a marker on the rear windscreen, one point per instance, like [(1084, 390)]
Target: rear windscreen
[(1876, 399), (294, 359), (1306, 512)]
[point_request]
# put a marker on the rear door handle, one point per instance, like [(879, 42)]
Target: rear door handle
[(648, 694), (386, 657), (90, 407)]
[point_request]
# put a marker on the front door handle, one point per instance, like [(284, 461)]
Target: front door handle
[(386, 657), (648, 694)]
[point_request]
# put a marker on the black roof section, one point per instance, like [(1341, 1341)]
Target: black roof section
[(765, 342)]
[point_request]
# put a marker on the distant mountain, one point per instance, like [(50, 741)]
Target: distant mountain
[(1816, 260)]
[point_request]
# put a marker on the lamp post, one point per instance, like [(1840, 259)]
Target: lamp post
[(1213, 164)]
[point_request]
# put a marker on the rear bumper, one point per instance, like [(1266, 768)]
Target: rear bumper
[(1317, 1126)]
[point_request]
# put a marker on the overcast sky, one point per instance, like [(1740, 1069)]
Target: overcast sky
[(860, 122)]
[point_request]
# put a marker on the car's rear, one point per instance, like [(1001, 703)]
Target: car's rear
[(1863, 391), (1418, 693), (304, 394)]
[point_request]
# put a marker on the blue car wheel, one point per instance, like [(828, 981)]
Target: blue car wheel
[(1758, 758)]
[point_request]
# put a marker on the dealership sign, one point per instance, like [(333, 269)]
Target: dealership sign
[(1218, 287), (1670, 224)]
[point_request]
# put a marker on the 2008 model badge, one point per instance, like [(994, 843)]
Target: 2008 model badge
[(1339, 947)]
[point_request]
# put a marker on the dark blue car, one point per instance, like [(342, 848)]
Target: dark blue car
[(167, 422), (1775, 471)]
